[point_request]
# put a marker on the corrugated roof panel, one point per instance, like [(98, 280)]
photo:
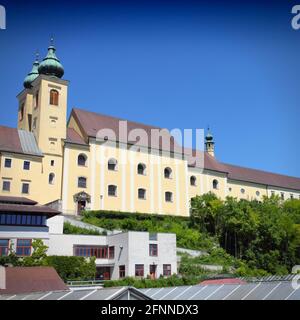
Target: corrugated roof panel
[(28, 143)]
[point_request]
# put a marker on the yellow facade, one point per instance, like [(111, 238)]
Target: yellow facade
[(53, 176)]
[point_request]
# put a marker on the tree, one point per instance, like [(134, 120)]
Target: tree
[(38, 255)]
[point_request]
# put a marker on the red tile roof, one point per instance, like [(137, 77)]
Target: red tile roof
[(9, 140), (261, 177), (223, 281), (32, 279), (91, 123), (74, 137), (245, 174)]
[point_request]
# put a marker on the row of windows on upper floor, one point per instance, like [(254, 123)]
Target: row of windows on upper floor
[(6, 186), (112, 165), (53, 100), (112, 190)]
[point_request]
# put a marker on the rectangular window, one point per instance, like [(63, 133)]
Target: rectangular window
[(153, 250), (52, 163), (81, 182), (25, 188), (99, 252), (26, 165), (23, 247), (7, 163), (166, 269), (139, 270), (4, 247), (121, 272), (292, 196), (6, 186), (111, 252)]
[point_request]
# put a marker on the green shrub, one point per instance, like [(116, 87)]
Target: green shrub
[(72, 267), (71, 229), (187, 236), (161, 282)]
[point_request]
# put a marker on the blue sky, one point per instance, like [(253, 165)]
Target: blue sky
[(174, 64)]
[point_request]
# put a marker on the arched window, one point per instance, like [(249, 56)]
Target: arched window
[(215, 184), (112, 164), (112, 190), (169, 196), (51, 178), (81, 160), (193, 180), (141, 169), (142, 194), (81, 182), (54, 97), (168, 173)]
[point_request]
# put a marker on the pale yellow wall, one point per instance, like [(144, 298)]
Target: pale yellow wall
[(39, 188), (287, 192), (234, 190), (51, 120), (126, 179), (17, 175), (204, 183), (26, 98)]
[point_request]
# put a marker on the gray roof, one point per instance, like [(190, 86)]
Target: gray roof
[(261, 290), (120, 293), (271, 290), (28, 143)]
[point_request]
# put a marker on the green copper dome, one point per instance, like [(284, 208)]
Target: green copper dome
[(32, 75), (51, 65)]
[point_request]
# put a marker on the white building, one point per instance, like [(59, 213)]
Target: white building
[(135, 254)]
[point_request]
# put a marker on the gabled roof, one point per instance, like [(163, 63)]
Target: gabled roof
[(18, 141), (74, 137), (91, 123), (30, 279)]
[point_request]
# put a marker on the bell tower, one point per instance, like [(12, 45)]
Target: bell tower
[(209, 143), (43, 103)]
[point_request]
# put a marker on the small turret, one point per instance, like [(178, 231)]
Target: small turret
[(209, 143)]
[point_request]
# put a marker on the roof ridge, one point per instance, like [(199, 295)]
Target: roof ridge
[(118, 118), (260, 170)]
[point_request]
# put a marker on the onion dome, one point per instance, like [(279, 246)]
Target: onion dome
[(209, 137), (51, 65), (33, 74)]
